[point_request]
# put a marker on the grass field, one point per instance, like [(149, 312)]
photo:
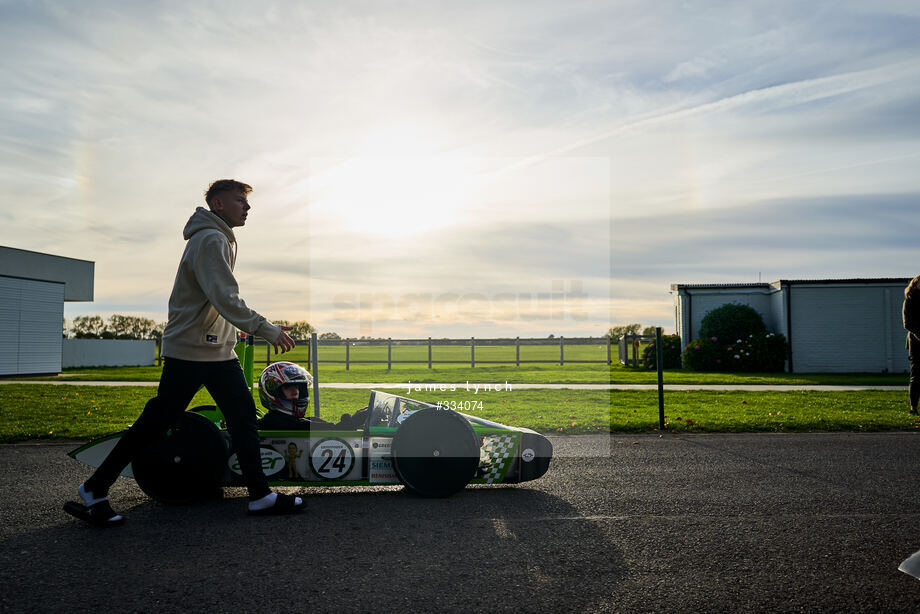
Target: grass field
[(80, 412), (449, 353), (525, 374), (28, 412)]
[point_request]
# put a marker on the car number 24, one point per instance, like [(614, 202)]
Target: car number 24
[(331, 459)]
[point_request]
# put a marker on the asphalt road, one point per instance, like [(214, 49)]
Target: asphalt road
[(733, 523)]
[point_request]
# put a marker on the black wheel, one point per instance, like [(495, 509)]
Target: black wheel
[(184, 465), (435, 452)]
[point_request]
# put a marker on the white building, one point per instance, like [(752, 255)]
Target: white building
[(832, 325), (33, 288)]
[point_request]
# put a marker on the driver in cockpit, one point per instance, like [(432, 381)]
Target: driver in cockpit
[(284, 390)]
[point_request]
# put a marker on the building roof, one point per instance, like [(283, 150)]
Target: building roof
[(902, 281), (695, 286), (76, 275)]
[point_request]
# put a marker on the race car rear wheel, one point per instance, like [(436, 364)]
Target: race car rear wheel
[(184, 465), (435, 452)]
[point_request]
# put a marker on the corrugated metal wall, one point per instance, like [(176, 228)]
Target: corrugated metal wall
[(845, 329), (31, 322), (10, 298), (108, 353), (705, 301)]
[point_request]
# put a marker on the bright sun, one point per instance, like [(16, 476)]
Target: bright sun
[(398, 184)]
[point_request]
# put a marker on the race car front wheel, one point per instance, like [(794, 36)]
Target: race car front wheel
[(184, 465), (435, 452)]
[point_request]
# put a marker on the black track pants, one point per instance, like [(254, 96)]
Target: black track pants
[(914, 384), (180, 380)]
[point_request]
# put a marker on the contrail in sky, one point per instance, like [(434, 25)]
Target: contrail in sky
[(787, 94)]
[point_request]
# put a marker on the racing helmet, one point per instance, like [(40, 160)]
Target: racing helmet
[(279, 374)]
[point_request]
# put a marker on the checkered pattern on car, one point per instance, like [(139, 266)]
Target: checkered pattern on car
[(495, 455)]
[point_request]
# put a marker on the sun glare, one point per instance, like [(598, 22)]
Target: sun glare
[(398, 184)]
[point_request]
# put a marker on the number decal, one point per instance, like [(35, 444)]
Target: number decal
[(339, 462), (331, 459)]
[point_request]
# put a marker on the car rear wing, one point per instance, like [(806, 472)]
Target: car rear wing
[(245, 351)]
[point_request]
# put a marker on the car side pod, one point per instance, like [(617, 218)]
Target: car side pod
[(536, 454), (184, 465), (435, 452)]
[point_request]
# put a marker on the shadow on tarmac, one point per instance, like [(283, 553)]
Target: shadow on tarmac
[(485, 548)]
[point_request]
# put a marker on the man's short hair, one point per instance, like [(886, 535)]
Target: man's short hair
[(225, 185)]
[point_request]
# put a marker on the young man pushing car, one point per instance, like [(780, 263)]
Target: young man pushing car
[(205, 310)]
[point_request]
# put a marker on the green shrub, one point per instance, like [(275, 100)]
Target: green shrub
[(670, 355), (757, 352), (765, 352), (731, 322), (704, 355), (734, 338)]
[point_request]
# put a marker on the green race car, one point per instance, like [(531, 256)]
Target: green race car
[(432, 450)]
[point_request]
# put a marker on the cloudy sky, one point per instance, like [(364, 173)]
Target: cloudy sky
[(465, 169)]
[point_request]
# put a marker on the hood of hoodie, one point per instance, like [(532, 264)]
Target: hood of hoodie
[(205, 219)]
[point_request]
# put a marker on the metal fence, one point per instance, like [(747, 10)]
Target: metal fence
[(430, 351), (628, 348)]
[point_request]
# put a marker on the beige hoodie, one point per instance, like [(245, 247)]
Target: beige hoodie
[(205, 307)]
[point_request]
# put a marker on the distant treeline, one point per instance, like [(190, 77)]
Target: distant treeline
[(616, 332), (132, 327)]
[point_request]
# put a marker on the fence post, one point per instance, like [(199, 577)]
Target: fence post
[(561, 350), (608, 350), (347, 346), (429, 352), (659, 360), (517, 351), (314, 352), (389, 353), (472, 351)]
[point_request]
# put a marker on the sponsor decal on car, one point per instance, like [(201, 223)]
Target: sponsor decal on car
[(496, 454), (272, 462), (332, 459), (381, 463), (382, 472), (528, 455)]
